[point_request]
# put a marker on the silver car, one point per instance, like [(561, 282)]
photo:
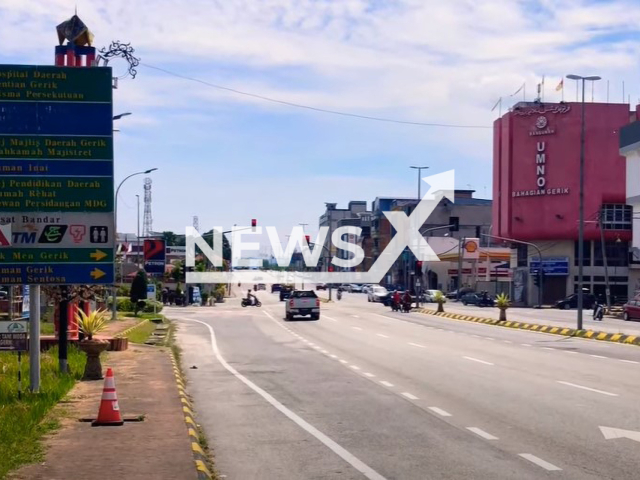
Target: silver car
[(377, 293)]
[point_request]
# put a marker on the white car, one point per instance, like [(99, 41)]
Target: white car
[(356, 288), (429, 295), (366, 288), (377, 293)]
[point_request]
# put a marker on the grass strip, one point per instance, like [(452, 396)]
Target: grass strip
[(24, 422)]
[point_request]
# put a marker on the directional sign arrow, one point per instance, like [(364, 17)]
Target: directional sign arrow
[(98, 255), (96, 273), (611, 433)]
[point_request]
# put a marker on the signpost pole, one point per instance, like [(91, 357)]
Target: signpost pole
[(19, 374), (34, 338), (62, 330)]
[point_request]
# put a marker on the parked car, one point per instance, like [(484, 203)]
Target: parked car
[(261, 286), (346, 287), (356, 288), (366, 288), (631, 309), (377, 294), (321, 286), (303, 303), (285, 292), (477, 299), (571, 301), (429, 295), (452, 295), (276, 287)]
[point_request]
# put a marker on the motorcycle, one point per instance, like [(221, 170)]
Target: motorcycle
[(406, 307), (248, 303), (598, 312), (395, 307)]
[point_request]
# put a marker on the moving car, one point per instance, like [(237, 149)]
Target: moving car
[(285, 292), (631, 309), (303, 303), (377, 294), (453, 294), (321, 286), (571, 301), (477, 299), (355, 288), (276, 287)]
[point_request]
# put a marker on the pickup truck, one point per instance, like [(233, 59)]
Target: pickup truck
[(303, 303)]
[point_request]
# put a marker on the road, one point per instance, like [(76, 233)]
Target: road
[(365, 393)]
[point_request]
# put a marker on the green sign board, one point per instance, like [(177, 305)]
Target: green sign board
[(56, 175), (55, 84)]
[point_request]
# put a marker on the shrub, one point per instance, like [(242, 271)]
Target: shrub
[(124, 291), (148, 306)]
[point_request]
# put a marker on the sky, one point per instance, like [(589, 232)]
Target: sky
[(228, 158)]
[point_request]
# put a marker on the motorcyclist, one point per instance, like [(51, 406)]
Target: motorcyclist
[(395, 299), (598, 309), (251, 298), (406, 300), (339, 293)]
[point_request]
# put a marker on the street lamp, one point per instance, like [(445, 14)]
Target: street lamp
[(118, 117), (115, 233), (419, 178), (592, 78)]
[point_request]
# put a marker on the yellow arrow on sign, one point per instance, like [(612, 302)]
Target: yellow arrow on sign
[(96, 273), (98, 255)]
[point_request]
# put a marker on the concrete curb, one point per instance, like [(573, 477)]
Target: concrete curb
[(199, 457), (567, 332), (124, 333)]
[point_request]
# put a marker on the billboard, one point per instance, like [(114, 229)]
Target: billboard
[(154, 256)]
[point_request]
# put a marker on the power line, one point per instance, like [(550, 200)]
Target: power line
[(315, 109)]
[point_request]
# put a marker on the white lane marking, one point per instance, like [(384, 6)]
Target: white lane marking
[(409, 396), (381, 335), (370, 375), (547, 348), (476, 336), (416, 345), (329, 318), (630, 361), (507, 341), (597, 356), (478, 360), (317, 347), (440, 412), (354, 367), (312, 344), (343, 361), (343, 453), (541, 463), (525, 344), (355, 316), (482, 433), (587, 388), (570, 351), (489, 338), (324, 351), (356, 328), (333, 356), (386, 384)]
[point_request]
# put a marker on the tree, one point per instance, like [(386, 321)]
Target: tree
[(138, 291)]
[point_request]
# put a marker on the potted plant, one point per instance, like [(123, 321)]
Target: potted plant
[(440, 299), (502, 302), (90, 325)]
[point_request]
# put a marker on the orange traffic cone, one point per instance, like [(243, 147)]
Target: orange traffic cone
[(109, 413)]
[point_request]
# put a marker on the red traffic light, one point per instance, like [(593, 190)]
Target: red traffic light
[(254, 222), (307, 238), (419, 264), (331, 268)]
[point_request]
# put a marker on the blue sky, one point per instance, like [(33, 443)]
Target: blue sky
[(228, 158)]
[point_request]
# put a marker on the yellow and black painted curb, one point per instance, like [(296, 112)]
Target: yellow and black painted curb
[(199, 456), (126, 332), (567, 332)]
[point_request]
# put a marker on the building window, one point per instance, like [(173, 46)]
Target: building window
[(616, 217), (587, 254), (617, 254), (585, 278), (523, 255)]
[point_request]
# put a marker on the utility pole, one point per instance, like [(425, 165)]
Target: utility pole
[(138, 226), (34, 338), (461, 243), (605, 263)]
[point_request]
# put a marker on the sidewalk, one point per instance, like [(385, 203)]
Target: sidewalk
[(157, 448)]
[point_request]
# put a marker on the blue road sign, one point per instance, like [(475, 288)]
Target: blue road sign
[(550, 266), (97, 168), (59, 274)]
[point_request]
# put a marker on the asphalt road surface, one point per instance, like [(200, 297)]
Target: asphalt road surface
[(366, 393)]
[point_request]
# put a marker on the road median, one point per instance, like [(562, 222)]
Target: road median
[(534, 327)]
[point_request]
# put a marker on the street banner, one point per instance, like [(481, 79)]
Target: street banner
[(154, 257)]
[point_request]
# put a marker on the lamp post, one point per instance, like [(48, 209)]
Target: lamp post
[(591, 78), (138, 234), (114, 305), (419, 178)]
